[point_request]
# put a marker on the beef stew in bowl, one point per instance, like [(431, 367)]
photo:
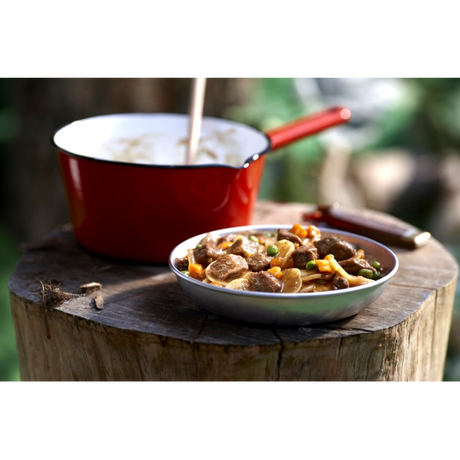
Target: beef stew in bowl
[(295, 260), (285, 275)]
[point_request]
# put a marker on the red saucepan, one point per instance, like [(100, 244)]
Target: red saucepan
[(131, 196)]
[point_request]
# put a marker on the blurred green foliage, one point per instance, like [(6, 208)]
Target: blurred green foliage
[(432, 126), (9, 254), (422, 120), (274, 103)]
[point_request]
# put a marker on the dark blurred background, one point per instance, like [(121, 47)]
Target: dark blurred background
[(399, 154)]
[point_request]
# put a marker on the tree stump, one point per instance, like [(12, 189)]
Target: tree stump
[(144, 327)]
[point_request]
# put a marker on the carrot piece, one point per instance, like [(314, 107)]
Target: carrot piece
[(298, 230), (313, 231), (275, 262), (276, 272), (323, 265), (225, 244), (196, 271), (215, 283)]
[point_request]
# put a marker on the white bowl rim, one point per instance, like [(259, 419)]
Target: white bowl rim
[(270, 295)]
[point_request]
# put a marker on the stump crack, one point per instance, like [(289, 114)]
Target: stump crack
[(280, 355), (193, 346)]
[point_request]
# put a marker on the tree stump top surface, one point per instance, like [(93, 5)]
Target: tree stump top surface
[(147, 298)]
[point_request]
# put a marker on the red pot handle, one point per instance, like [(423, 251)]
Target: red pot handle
[(308, 125)]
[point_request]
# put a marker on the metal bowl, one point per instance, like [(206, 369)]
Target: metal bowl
[(287, 309)]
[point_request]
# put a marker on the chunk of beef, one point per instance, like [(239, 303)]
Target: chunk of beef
[(334, 245), (226, 265), (354, 265), (206, 254), (264, 282), (181, 263), (286, 235), (258, 262), (243, 247), (302, 255), (339, 282)]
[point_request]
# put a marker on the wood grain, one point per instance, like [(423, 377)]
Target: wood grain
[(149, 329)]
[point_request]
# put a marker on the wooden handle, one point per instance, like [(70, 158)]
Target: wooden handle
[(398, 234), (307, 126)]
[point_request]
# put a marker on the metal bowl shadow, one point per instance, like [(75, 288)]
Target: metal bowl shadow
[(287, 309)]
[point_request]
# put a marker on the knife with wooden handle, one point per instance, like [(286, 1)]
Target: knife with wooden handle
[(384, 230)]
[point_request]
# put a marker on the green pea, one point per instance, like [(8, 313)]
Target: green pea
[(376, 264), (366, 273), (311, 265), (377, 275), (253, 238), (198, 246), (185, 272), (272, 250), (269, 235)]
